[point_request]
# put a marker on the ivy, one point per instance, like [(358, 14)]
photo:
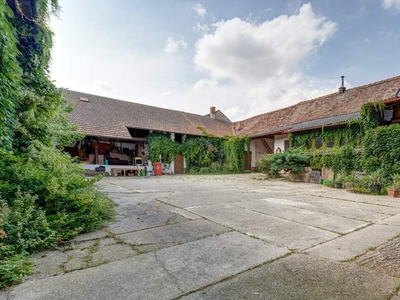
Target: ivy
[(381, 150), (161, 146), (10, 73), (341, 142), (228, 152), (44, 196)]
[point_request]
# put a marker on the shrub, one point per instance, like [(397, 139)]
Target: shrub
[(291, 160), (13, 269)]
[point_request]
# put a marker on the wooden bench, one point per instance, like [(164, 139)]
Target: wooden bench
[(124, 170)]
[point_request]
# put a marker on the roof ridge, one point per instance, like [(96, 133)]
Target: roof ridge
[(126, 101), (321, 97)]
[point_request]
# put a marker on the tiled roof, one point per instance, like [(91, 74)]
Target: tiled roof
[(332, 105), (107, 117)]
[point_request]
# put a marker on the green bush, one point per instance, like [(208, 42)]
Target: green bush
[(13, 269), (44, 196), (292, 160)]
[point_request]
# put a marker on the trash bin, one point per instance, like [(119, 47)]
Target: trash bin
[(157, 168)]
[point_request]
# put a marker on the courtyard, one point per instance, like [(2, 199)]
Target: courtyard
[(227, 237)]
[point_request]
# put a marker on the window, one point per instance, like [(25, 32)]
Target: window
[(287, 145)]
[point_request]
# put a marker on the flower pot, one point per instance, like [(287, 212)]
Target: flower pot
[(338, 185), (393, 192), (374, 188)]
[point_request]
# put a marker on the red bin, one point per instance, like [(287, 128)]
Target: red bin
[(157, 168)]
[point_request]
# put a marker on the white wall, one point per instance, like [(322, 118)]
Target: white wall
[(280, 142), (258, 149)]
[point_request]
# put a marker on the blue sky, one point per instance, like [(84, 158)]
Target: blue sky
[(244, 57)]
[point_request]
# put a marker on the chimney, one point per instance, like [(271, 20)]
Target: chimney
[(342, 88), (212, 112)]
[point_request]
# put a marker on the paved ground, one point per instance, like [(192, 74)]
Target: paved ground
[(227, 237)]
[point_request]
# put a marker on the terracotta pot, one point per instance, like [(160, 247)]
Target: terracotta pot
[(393, 192)]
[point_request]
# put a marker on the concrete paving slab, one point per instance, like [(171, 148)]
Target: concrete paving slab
[(281, 232), (394, 221), (384, 259), (210, 260), (208, 197), (93, 235), (140, 277), (108, 187), (48, 264), (137, 208), (355, 243), (99, 242), (136, 197), (186, 214), (172, 235), (331, 206), (308, 217), (111, 253), (302, 277), (144, 221), (386, 210), (375, 200)]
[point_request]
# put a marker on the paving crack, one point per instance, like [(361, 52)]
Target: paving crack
[(171, 275)]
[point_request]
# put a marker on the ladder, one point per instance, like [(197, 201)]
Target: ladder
[(265, 143)]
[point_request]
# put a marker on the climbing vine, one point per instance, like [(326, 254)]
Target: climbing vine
[(201, 152), (44, 197), (161, 146), (341, 142), (350, 134)]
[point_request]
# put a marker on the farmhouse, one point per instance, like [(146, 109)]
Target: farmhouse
[(115, 130)]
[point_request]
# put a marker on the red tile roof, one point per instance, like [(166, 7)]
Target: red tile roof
[(319, 108), (106, 117)]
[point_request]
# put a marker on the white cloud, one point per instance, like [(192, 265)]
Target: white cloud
[(102, 85), (199, 9), (234, 113), (391, 4), (172, 45), (198, 27), (248, 52), (282, 91), (204, 84), (167, 93)]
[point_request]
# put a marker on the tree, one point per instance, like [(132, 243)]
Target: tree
[(44, 197)]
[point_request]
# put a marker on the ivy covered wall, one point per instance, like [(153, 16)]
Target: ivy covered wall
[(359, 145), (202, 153)]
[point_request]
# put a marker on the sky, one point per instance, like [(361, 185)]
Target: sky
[(245, 57)]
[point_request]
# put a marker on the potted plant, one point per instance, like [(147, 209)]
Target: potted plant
[(375, 181), (394, 189), (350, 181), (339, 180)]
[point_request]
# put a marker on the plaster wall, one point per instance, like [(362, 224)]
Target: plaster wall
[(280, 142), (258, 149)]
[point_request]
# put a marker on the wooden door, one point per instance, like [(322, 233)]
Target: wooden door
[(178, 164), (247, 160)]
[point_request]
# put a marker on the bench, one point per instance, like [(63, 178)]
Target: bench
[(124, 170)]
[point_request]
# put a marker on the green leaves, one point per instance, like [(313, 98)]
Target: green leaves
[(44, 196), (201, 152), (292, 160), (381, 149)]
